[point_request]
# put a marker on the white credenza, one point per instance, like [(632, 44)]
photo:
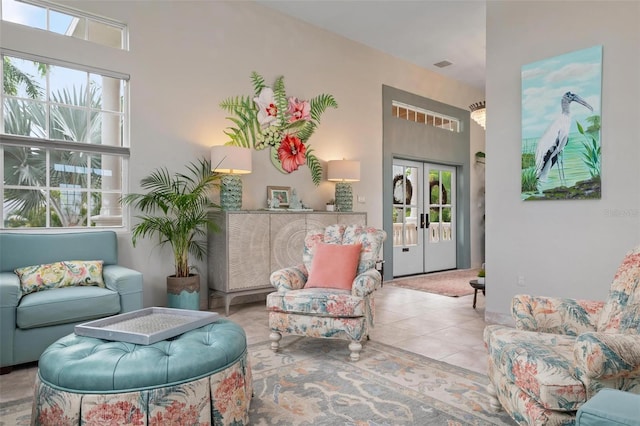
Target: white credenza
[(252, 244)]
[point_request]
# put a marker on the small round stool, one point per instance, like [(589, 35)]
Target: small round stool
[(200, 377)]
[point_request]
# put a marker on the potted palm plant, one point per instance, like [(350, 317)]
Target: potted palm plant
[(175, 208)]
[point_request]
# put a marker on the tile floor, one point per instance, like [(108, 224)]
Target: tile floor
[(439, 327)]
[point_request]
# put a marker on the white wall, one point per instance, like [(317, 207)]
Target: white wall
[(561, 248), (187, 56)]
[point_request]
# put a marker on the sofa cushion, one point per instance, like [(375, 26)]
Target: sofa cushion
[(541, 364), (65, 305), (317, 301), (621, 311), (60, 274), (334, 266)]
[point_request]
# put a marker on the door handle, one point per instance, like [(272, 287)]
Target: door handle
[(424, 220)]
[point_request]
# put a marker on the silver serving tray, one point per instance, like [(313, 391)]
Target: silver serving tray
[(146, 326)]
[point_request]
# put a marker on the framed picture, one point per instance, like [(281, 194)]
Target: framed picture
[(561, 99), (280, 193)]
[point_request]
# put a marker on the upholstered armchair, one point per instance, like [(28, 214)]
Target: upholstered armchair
[(563, 351), (330, 294)]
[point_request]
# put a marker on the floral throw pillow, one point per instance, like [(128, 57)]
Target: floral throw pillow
[(60, 274)]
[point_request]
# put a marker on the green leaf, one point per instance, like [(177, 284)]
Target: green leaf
[(275, 160), (580, 129), (258, 83), (281, 101), (319, 104), (314, 166)]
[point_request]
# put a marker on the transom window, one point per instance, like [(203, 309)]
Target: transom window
[(423, 116), (66, 21), (63, 142)]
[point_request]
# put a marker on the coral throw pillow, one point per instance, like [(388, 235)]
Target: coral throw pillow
[(334, 266), (60, 274)]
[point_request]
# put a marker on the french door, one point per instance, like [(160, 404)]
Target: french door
[(424, 225)]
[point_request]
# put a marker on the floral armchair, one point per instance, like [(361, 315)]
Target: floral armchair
[(346, 313), (563, 351)]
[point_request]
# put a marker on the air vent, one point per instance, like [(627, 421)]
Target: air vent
[(443, 64)]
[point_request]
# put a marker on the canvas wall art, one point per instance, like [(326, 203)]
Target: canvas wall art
[(561, 97)]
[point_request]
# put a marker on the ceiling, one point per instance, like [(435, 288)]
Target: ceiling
[(423, 32)]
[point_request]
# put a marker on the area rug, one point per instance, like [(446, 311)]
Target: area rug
[(449, 283), (312, 382)]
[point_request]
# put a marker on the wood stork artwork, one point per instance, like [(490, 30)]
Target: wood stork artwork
[(554, 139), (561, 127)]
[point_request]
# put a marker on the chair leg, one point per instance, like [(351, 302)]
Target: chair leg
[(355, 348), (493, 398), (275, 340)]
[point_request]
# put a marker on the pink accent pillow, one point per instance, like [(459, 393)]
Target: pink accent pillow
[(334, 266)]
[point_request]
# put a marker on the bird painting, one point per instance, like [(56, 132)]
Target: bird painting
[(553, 141)]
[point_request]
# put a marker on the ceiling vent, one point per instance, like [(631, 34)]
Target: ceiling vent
[(443, 64)]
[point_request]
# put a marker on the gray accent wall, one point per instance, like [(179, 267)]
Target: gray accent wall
[(413, 141)]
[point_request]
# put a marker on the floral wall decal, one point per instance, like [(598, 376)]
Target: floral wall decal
[(271, 120)]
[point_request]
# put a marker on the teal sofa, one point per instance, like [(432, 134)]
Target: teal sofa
[(30, 323)]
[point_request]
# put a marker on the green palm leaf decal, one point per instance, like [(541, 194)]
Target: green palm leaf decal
[(314, 166)]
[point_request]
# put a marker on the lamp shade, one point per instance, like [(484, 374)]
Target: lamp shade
[(343, 171), (229, 159)]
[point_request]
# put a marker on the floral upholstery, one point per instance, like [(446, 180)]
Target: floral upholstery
[(563, 351), (326, 312), (222, 398)]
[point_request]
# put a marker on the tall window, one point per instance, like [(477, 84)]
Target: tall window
[(63, 145), (64, 125)]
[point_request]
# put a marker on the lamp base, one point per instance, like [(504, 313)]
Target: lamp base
[(344, 197), (230, 192)]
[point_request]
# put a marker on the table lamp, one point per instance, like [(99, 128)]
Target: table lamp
[(343, 172), (230, 161)]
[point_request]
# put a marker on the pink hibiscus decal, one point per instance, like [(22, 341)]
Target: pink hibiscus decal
[(298, 110), (291, 153)]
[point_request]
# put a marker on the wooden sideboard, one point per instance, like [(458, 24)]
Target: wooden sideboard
[(252, 244)]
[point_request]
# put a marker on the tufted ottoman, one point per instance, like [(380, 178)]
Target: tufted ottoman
[(201, 377)]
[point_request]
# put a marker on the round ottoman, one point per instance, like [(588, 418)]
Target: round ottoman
[(201, 377)]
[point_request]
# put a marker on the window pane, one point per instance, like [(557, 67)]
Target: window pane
[(24, 118), (24, 208), (434, 187), (24, 167), (446, 187), (25, 14), (106, 128), (69, 124), (106, 172), (60, 22), (108, 91), (69, 169), (68, 208), (23, 78), (68, 86), (105, 34)]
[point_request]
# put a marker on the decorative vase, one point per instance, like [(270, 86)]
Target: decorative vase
[(344, 197), (480, 280), (230, 192), (183, 292), (330, 207)]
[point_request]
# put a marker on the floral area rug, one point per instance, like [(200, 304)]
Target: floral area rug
[(312, 382), (449, 283)]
